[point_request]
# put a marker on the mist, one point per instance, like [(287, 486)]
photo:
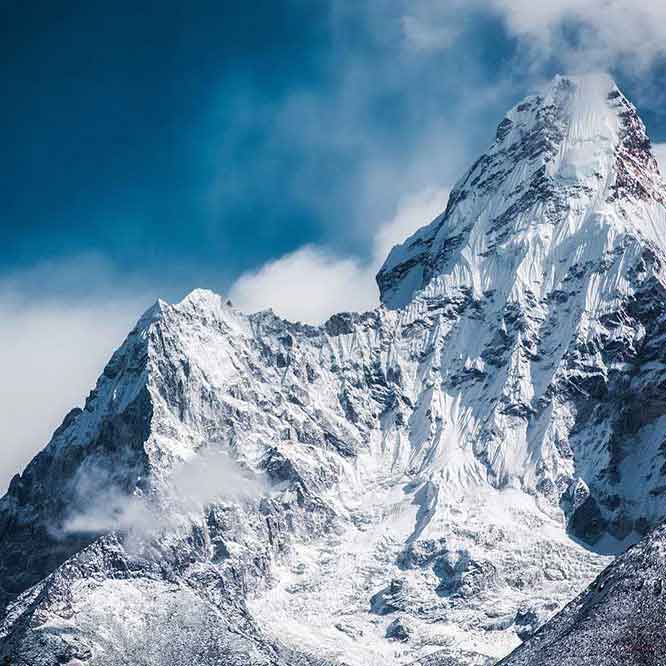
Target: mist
[(53, 346), (212, 476)]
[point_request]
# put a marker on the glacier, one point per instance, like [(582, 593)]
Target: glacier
[(425, 483)]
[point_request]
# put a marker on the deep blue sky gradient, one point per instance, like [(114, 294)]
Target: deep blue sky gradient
[(184, 143)]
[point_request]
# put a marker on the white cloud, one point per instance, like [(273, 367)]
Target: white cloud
[(306, 285), (424, 32), (311, 284), (659, 151), (580, 34), (52, 349), (623, 32), (211, 476)]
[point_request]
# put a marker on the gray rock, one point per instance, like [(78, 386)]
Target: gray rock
[(399, 630)]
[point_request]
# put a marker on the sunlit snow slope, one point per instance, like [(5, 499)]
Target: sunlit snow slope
[(428, 481)]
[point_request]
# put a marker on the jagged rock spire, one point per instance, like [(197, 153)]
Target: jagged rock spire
[(577, 154)]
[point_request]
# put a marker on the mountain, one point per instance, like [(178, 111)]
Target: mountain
[(617, 621), (424, 483)]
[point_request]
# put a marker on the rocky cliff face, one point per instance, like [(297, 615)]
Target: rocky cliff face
[(617, 621), (392, 486)]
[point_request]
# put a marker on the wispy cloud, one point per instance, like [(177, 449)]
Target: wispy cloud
[(570, 35), (311, 283), (212, 476), (431, 27), (404, 101), (588, 33)]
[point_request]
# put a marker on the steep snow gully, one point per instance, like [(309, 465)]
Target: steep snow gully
[(426, 483)]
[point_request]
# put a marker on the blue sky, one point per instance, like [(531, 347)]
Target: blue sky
[(150, 148), (216, 137), (210, 137)]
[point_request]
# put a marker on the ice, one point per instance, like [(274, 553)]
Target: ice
[(450, 468)]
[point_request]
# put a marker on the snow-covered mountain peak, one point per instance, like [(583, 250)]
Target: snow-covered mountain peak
[(203, 298), (583, 126), (207, 302), (417, 469), (573, 160)]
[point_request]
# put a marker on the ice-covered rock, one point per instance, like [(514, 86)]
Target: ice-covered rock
[(617, 621), (254, 485), (399, 630)]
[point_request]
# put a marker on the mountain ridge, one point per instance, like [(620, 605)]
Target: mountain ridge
[(548, 136)]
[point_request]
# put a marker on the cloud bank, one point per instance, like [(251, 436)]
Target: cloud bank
[(311, 284), (598, 32), (578, 34), (52, 349)]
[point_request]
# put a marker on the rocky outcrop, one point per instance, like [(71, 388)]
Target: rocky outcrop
[(616, 621), (391, 486)]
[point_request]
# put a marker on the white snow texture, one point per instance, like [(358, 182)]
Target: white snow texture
[(437, 476)]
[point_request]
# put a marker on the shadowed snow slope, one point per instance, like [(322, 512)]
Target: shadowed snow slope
[(401, 485)]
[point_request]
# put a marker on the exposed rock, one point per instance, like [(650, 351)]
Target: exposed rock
[(617, 621), (423, 457), (527, 622), (399, 630), (391, 599)]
